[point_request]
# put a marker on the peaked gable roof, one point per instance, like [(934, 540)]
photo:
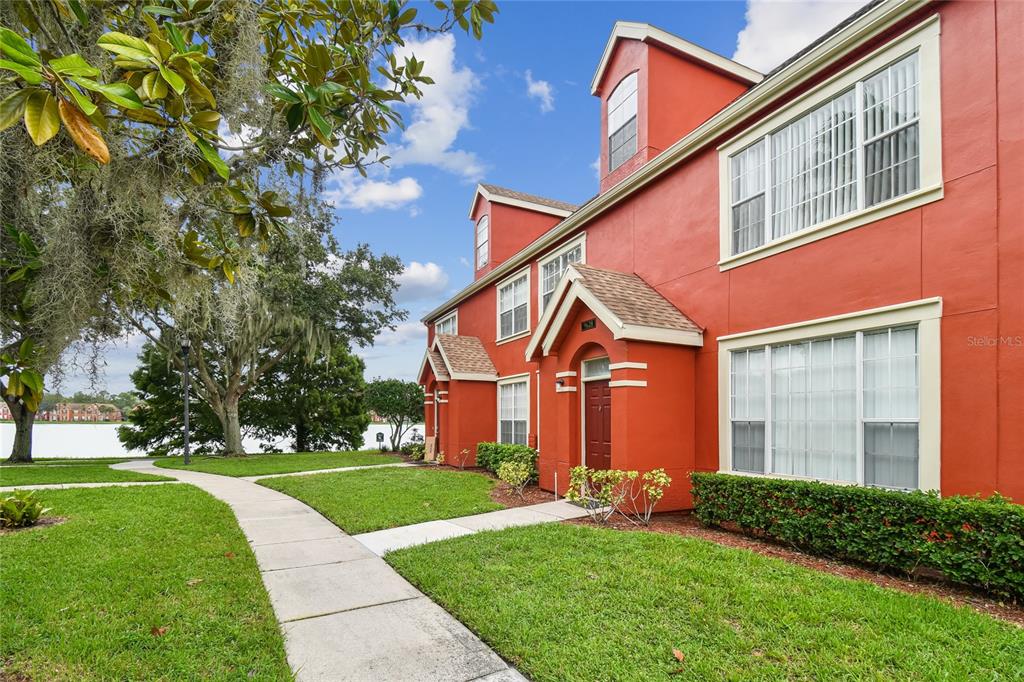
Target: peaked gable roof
[(465, 357), (433, 358), (511, 197), (626, 304), (646, 33)]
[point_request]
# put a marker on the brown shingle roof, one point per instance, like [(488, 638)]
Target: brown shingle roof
[(466, 355), (532, 198), (437, 364), (633, 300)]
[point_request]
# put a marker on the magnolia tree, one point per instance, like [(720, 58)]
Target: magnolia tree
[(399, 403), (137, 138)]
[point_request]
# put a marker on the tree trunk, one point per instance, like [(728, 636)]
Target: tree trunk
[(301, 435), (232, 428), (396, 436), (23, 417)]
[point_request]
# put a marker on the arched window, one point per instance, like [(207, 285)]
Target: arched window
[(483, 234), (622, 122)]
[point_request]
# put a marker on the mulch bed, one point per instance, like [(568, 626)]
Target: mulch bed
[(43, 522), (684, 523)]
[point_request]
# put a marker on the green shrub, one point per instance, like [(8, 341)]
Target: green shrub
[(972, 541), (20, 509), (491, 455), (603, 492), (516, 474), (413, 450)]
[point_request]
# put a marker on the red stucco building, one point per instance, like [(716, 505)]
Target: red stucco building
[(814, 273)]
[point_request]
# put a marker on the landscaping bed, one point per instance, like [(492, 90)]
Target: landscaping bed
[(368, 500), (686, 524), (69, 472), (568, 602), (279, 463), (154, 583)]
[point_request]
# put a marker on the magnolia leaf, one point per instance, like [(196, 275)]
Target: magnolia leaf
[(245, 223), (294, 116), (15, 47), (320, 125), (145, 115), (213, 158), (73, 65), (206, 119), (229, 271), (11, 106), (30, 74), (129, 46), (41, 118), (281, 92), (176, 82), (121, 94), (83, 133)]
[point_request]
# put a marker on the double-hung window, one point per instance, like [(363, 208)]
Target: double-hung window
[(514, 306), (839, 408), (513, 411), (552, 269), (447, 325), (840, 156), (483, 237), (622, 122)]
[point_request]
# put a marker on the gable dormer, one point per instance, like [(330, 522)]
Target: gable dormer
[(654, 89), (504, 221)]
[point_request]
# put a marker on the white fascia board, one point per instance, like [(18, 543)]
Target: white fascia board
[(678, 337), (866, 27), (579, 292), (518, 203), (646, 33), (473, 376), (568, 277)]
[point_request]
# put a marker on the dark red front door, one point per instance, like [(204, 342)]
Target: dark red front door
[(598, 414)]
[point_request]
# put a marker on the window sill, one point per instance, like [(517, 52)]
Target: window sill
[(841, 224), (514, 337)]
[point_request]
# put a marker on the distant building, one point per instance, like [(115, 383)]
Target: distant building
[(72, 412)]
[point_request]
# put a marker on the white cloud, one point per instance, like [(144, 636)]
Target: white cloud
[(404, 333), (421, 280), (776, 30), (350, 190), (442, 112), (465, 261), (596, 167), (541, 90)]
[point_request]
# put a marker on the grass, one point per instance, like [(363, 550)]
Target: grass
[(566, 602), (367, 500), (280, 463), (68, 472), (153, 583)]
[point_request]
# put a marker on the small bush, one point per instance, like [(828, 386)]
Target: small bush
[(607, 491), (491, 455), (20, 509), (414, 450), (516, 474), (972, 541)]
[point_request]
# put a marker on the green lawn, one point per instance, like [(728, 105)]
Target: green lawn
[(279, 463), (565, 602), (154, 583), (66, 472), (362, 501)]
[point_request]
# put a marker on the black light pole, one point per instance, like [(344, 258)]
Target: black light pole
[(185, 378)]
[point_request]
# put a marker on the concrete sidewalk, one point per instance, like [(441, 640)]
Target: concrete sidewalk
[(331, 471), (345, 614), (381, 542), (65, 486)]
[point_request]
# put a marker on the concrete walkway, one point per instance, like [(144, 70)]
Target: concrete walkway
[(64, 486), (381, 542), (331, 471), (345, 614)]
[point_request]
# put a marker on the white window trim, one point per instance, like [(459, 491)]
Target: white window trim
[(453, 315), (476, 242), (599, 377), (925, 313), (924, 38), (513, 379), (580, 241), (519, 274)]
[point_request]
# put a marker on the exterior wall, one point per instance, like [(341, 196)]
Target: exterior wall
[(967, 248), (512, 228)]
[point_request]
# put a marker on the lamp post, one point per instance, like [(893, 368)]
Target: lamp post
[(185, 377)]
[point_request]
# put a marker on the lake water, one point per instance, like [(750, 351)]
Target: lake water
[(100, 440)]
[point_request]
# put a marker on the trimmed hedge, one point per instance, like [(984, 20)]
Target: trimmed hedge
[(972, 541), (491, 455)]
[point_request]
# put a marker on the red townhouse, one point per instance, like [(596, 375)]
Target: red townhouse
[(816, 272)]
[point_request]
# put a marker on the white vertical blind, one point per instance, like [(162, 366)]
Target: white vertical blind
[(552, 271), (856, 150), (512, 308), (513, 405), (446, 326), (808, 392), (622, 108), (483, 237)]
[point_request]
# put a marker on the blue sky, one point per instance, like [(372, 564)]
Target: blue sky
[(513, 109)]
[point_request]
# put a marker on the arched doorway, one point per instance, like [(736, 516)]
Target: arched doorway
[(596, 402)]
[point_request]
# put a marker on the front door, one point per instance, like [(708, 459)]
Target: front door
[(598, 417)]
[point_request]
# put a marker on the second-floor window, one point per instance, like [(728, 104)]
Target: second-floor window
[(854, 151), (551, 271), (483, 238), (513, 307), (447, 325), (622, 122)]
